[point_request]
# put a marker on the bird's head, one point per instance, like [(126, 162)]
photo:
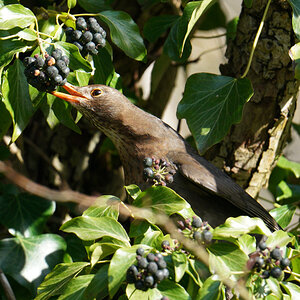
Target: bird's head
[(101, 104)]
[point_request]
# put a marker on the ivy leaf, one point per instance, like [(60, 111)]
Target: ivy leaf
[(27, 260), (157, 25), (283, 214), (5, 119), (291, 166), (15, 15), (247, 243), (173, 290), (124, 33), (134, 294), (278, 238), (180, 264), (227, 259), (211, 104), (119, 264), (16, 97), (153, 239), (296, 16), (235, 227), (292, 289), (162, 200), (94, 6), (211, 289), (104, 68), (25, 214), (57, 279), (71, 3), (91, 228)]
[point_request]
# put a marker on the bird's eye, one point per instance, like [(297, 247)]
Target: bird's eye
[(96, 92)]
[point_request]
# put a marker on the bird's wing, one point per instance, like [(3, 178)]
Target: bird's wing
[(208, 177)]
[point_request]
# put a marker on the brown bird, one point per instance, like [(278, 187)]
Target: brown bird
[(213, 195)]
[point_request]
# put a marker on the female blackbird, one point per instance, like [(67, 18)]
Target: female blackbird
[(213, 195)]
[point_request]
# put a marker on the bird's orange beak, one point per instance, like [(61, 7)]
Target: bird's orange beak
[(73, 96)]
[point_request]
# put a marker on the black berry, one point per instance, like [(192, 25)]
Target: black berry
[(148, 173), (197, 236), (161, 264), (52, 71), (159, 275), (147, 162), (262, 246), (28, 61), (165, 244), (207, 236), (65, 59), (285, 262), (166, 273), (57, 54), (87, 37), (39, 62), (149, 281), (265, 274), (78, 45), (197, 222), (276, 272), (169, 178), (151, 257), (275, 253), (143, 263), (76, 35), (81, 23), (140, 251), (152, 267), (259, 262), (139, 284)]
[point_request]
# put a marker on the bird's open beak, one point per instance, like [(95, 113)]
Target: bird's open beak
[(73, 97)]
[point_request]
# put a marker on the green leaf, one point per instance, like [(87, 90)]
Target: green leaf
[(296, 16), (16, 32), (16, 97), (247, 243), (153, 239), (135, 294), (104, 68), (101, 250), (291, 166), (77, 62), (211, 104), (198, 11), (8, 48), (283, 214), (56, 281), (211, 289), (76, 287), (98, 287), (5, 119), (278, 238), (119, 264), (292, 289), (133, 190), (28, 260), (235, 227), (105, 206), (141, 228), (227, 259), (82, 77), (71, 3), (294, 54), (180, 264), (162, 200), (231, 28), (156, 26), (25, 214), (91, 228), (173, 290), (94, 6), (15, 15), (124, 33)]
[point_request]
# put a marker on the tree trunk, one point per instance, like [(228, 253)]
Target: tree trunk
[(250, 150)]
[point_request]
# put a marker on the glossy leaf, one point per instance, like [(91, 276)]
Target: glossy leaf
[(106, 206), (124, 33), (292, 289), (56, 281), (5, 119), (227, 259), (28, 260), (180, 264), (235, 227), (161, 200), (198, 11), (296, 16), (16, 97), (278, 238), (291, 166), (91, 228), (94, 6), (173, 290), (71, 3), (104, 68), (211, 289), (15, 15), (157, 25), (153, 239), (119, 264), (135, 294), (211, 104), (283, 214), (25, 214), (247, 243), (76, 287), (133, 190), (98, 287)]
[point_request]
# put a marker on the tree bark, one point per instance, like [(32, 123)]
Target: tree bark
[(250, 150)]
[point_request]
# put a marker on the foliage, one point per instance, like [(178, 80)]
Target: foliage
[(46, 264)]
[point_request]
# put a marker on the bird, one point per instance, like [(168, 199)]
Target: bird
[(136, 134)]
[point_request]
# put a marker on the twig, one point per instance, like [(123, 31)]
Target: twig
[(6, 287)]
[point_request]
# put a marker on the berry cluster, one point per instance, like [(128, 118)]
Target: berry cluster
[(266, 262), (150, 270), (88, 35), (157, 171), (46, 74), (196, 229)]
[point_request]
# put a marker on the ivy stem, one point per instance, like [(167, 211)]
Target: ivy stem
[(38, 38), (256, 39)]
